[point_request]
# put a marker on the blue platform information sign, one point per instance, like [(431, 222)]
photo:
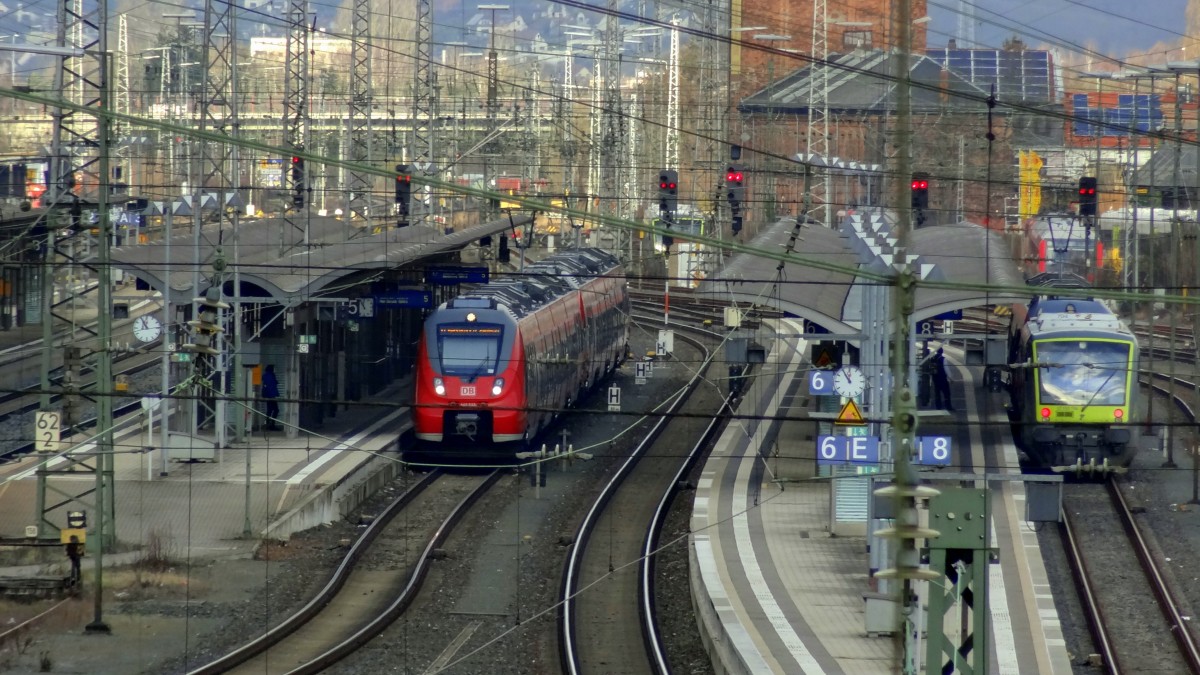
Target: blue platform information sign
[(933, 450), (405, 300), (847, 450), (449, 276), (820, 382)]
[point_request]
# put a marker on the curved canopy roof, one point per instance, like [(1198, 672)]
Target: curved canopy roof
[(293, 274), (831, 299)]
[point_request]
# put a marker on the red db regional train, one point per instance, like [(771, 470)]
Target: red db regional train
[(495, 364)]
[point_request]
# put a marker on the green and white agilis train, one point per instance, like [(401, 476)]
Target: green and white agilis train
[(1074, 389)]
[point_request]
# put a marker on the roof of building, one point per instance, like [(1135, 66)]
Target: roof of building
[(1018, 74), (862, 82)]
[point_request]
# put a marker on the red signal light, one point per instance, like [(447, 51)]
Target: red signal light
[(671, 186), (662, 186), (296, 160), (920, 185)]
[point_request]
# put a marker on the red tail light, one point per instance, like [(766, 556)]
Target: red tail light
[(1118, 413), (1045, 413)]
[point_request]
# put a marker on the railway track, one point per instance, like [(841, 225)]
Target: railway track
[(1134, 618), (607, 621), (24, 404), (365, 594)]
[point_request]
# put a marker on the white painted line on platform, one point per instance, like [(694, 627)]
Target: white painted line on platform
[(1004, 639), (334, 452), (745, 542)]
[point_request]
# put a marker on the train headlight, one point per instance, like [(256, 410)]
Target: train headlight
[(498, 386), (439, 387), (1118, 413), (1045, 413)]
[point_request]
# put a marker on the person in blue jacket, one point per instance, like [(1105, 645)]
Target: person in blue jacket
[(270, 393)]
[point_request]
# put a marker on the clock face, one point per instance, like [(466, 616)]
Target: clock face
[(849, 381), (147, 328)]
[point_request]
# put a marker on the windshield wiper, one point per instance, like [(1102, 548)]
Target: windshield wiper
[(1098, 389)]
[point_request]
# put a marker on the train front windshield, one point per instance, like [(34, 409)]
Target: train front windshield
[(469, 351), (1082, 372)]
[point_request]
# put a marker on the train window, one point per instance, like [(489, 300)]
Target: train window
[(469, 353), (1082, 372)]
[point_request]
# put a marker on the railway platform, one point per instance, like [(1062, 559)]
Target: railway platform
[(266, 487), (780, 587)]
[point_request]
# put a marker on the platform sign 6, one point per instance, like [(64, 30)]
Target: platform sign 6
[(820, 382), (847, 449), (47, 430), (933, 450)]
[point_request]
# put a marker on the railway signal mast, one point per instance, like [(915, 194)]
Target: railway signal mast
[(735, 190), (668, 202), (1088, 201)]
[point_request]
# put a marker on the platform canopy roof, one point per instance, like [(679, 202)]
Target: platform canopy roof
[(833, 299), (338, 254)]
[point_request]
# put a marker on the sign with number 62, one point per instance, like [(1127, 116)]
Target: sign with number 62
[(47, 428)]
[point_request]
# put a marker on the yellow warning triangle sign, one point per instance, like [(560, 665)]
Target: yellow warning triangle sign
[(851, 415)]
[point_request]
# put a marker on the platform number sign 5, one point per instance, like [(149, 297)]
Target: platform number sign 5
[(48, 427), (820, 382)]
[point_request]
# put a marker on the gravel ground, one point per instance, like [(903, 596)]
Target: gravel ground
[(173, 627)]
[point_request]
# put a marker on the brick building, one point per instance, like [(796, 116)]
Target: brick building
[(850, 24)]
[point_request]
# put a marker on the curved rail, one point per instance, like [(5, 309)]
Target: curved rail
[(1166, 601), (1091, 606), (568, 650), (335, 583), (649, 612), (401, 603)]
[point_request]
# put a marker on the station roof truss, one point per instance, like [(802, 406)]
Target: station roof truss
[(831, 299), (338, 255)]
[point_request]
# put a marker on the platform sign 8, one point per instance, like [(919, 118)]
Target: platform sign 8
[(934, 450), (820, 382)]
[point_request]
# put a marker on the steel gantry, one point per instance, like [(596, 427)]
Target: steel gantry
[(531, 167), (492, 106), (120, 128), (424, 119), (293, 225), (672, 158), (214, 192), (80, 175), (817, 136), (361, 95), (611, 121)]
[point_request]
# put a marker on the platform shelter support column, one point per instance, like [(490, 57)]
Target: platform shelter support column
[(960, 599)]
